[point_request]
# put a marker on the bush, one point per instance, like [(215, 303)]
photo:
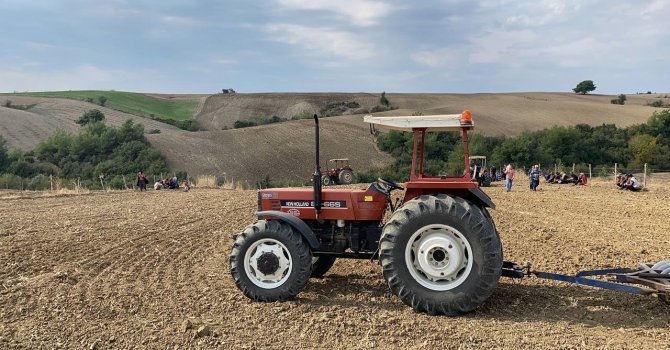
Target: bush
[(92, 116), (39, 182), (302, 115), (381, 108), (11, 182), (243, 124), (622, 99), (338, 108), (657, 103)]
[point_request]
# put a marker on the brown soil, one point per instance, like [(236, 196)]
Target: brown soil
[(148, 270)]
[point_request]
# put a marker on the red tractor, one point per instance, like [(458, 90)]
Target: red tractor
[(341, 173), (440, 251)]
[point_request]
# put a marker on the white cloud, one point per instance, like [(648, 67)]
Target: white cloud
[(223, 60), (84, 76), (542, 12), (362, 13), (503, 47), (111, 11), (438, 58), (321, 41), (179, 20), (33, 45)]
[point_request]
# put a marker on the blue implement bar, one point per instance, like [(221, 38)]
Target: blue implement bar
[(594, 283)]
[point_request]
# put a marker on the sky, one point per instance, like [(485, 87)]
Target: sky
[(450, 46)]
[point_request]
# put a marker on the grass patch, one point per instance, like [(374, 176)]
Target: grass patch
[(130, 102)]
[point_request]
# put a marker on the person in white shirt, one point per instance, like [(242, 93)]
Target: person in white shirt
[(633, 184)]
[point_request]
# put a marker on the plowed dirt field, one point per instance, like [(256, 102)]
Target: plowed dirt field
[(150, 270)]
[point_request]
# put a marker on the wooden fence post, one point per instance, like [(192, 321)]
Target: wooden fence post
[(590, 173), (51, 181), (124, 182), (644, 182)]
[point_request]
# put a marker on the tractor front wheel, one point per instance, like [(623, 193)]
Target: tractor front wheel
[(325, 180), (441, 255), (346, 177), (270, 261)]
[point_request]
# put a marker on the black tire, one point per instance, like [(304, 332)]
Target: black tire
[(321, 265), (346, 177), (294, 249), (486, 180), (473, 231), (325, 180)]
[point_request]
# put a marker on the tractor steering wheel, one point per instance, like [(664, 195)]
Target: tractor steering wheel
[(390, 185)]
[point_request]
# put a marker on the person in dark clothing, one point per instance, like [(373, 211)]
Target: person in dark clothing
[(141, 181), (534, 176), (574, 179)]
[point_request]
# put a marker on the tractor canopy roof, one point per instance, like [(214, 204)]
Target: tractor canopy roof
[(477, 157), (443, 122), (339, 160)]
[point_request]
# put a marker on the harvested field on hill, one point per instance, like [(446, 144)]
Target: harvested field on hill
[(494, 113), (24, 129), (282, 151), (147, 270)]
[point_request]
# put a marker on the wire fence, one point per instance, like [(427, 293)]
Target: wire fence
[(42, 182), (108, 182)]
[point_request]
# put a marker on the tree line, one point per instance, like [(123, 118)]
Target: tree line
[(606, 144), (97, 150)]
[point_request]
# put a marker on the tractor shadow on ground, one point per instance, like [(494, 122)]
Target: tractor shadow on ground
[(511, 301)]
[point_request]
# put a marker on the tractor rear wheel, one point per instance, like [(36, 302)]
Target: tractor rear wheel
[(441, 255), (346, 177), (321, 265), (270, 261), (325, 180)]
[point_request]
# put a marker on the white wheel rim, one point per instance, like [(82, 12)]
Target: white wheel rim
[(439, 257), (267, 254), (347, 177)]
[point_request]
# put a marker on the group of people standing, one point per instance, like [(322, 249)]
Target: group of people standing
[(535, 174)]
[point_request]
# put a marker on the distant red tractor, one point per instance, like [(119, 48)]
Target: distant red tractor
[(340, 174)]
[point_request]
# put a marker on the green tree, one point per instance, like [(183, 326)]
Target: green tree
[(91, 116), (4, 156), (659, 123), (644, 148), (102, 100), (622, 99), (584, 87), (383, 100)]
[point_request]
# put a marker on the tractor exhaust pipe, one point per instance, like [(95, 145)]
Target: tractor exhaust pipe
[(316, 177)]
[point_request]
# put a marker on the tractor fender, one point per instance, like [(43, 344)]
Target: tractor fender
[(481, 198), (294, 222)]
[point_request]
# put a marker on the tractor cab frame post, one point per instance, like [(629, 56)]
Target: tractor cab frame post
[(421, 133)]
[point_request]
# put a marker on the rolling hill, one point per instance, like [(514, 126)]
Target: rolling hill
[(285, 150)]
